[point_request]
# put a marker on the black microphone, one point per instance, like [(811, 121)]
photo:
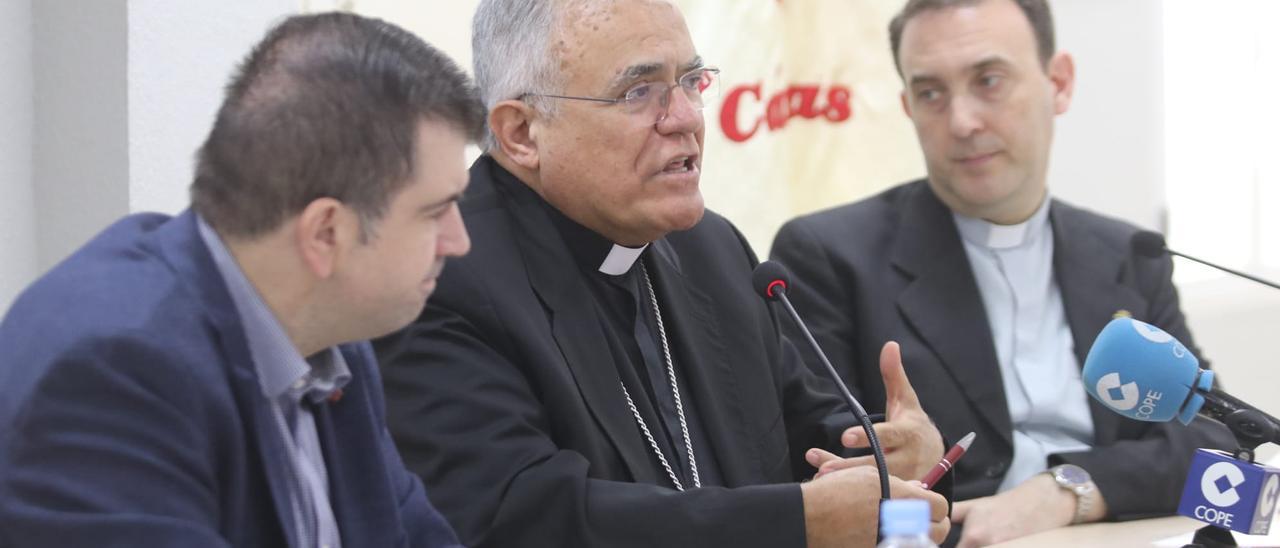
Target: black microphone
[(771, 280), (1151, 244)]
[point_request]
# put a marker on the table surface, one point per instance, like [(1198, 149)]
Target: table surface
[(1169, 531)]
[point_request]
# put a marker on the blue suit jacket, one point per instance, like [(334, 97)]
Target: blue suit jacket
[(131, 415)]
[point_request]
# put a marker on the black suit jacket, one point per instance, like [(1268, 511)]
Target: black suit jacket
[(504, 396), (893, 267)]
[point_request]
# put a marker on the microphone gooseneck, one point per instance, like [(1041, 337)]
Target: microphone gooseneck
[(1151, 244), (771, 280)]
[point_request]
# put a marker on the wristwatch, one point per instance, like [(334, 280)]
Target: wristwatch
[(1075, 479)]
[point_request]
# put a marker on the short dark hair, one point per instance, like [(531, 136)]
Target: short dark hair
[(1037, 12), (326, 105)]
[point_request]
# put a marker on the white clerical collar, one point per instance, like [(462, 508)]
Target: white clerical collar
[(984, 233), (620, 259)]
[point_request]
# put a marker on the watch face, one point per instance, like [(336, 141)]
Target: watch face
[(1072, 475)]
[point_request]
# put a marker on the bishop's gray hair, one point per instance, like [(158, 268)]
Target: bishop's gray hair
[(511, 52)]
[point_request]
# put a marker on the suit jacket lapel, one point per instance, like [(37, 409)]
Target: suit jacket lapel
[(275, 457), (183, 248), (359, 492), (701, 357), (1088, 274), (575, 323), (942, 303)]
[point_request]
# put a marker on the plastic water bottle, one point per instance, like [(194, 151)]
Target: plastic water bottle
[(904, 523)]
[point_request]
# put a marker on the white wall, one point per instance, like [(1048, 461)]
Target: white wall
[(1221, 83), (181, 55), (1109, 147), (17, 202), (1223, 185), (102, 107), (81, 165)]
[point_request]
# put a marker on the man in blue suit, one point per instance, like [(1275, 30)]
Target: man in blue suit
[(198, 380)]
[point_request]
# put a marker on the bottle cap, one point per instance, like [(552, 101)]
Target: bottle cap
[(899, 517)]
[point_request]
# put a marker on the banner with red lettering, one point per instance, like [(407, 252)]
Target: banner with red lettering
[(808, 114)]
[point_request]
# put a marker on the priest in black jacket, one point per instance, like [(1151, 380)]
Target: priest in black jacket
[(599, 371), (995, 288)]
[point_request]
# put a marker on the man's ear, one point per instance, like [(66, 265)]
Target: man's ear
[(323, 232), (512, 124), (1062, 74), (906, 106)]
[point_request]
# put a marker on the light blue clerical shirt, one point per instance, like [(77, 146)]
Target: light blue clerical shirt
[(286, 378), (1013, 265)]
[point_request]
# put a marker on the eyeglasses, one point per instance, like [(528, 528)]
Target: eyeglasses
[(698, 86)]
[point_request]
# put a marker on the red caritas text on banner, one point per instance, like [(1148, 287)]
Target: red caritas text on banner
[(806, 101)]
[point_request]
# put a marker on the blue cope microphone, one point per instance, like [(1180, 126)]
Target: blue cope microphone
[(1143, 373)]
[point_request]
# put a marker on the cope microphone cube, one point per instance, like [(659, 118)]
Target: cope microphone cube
[(1143, 373), (1229, 493)]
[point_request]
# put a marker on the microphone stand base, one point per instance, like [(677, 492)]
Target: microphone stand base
[(1211, 536)]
